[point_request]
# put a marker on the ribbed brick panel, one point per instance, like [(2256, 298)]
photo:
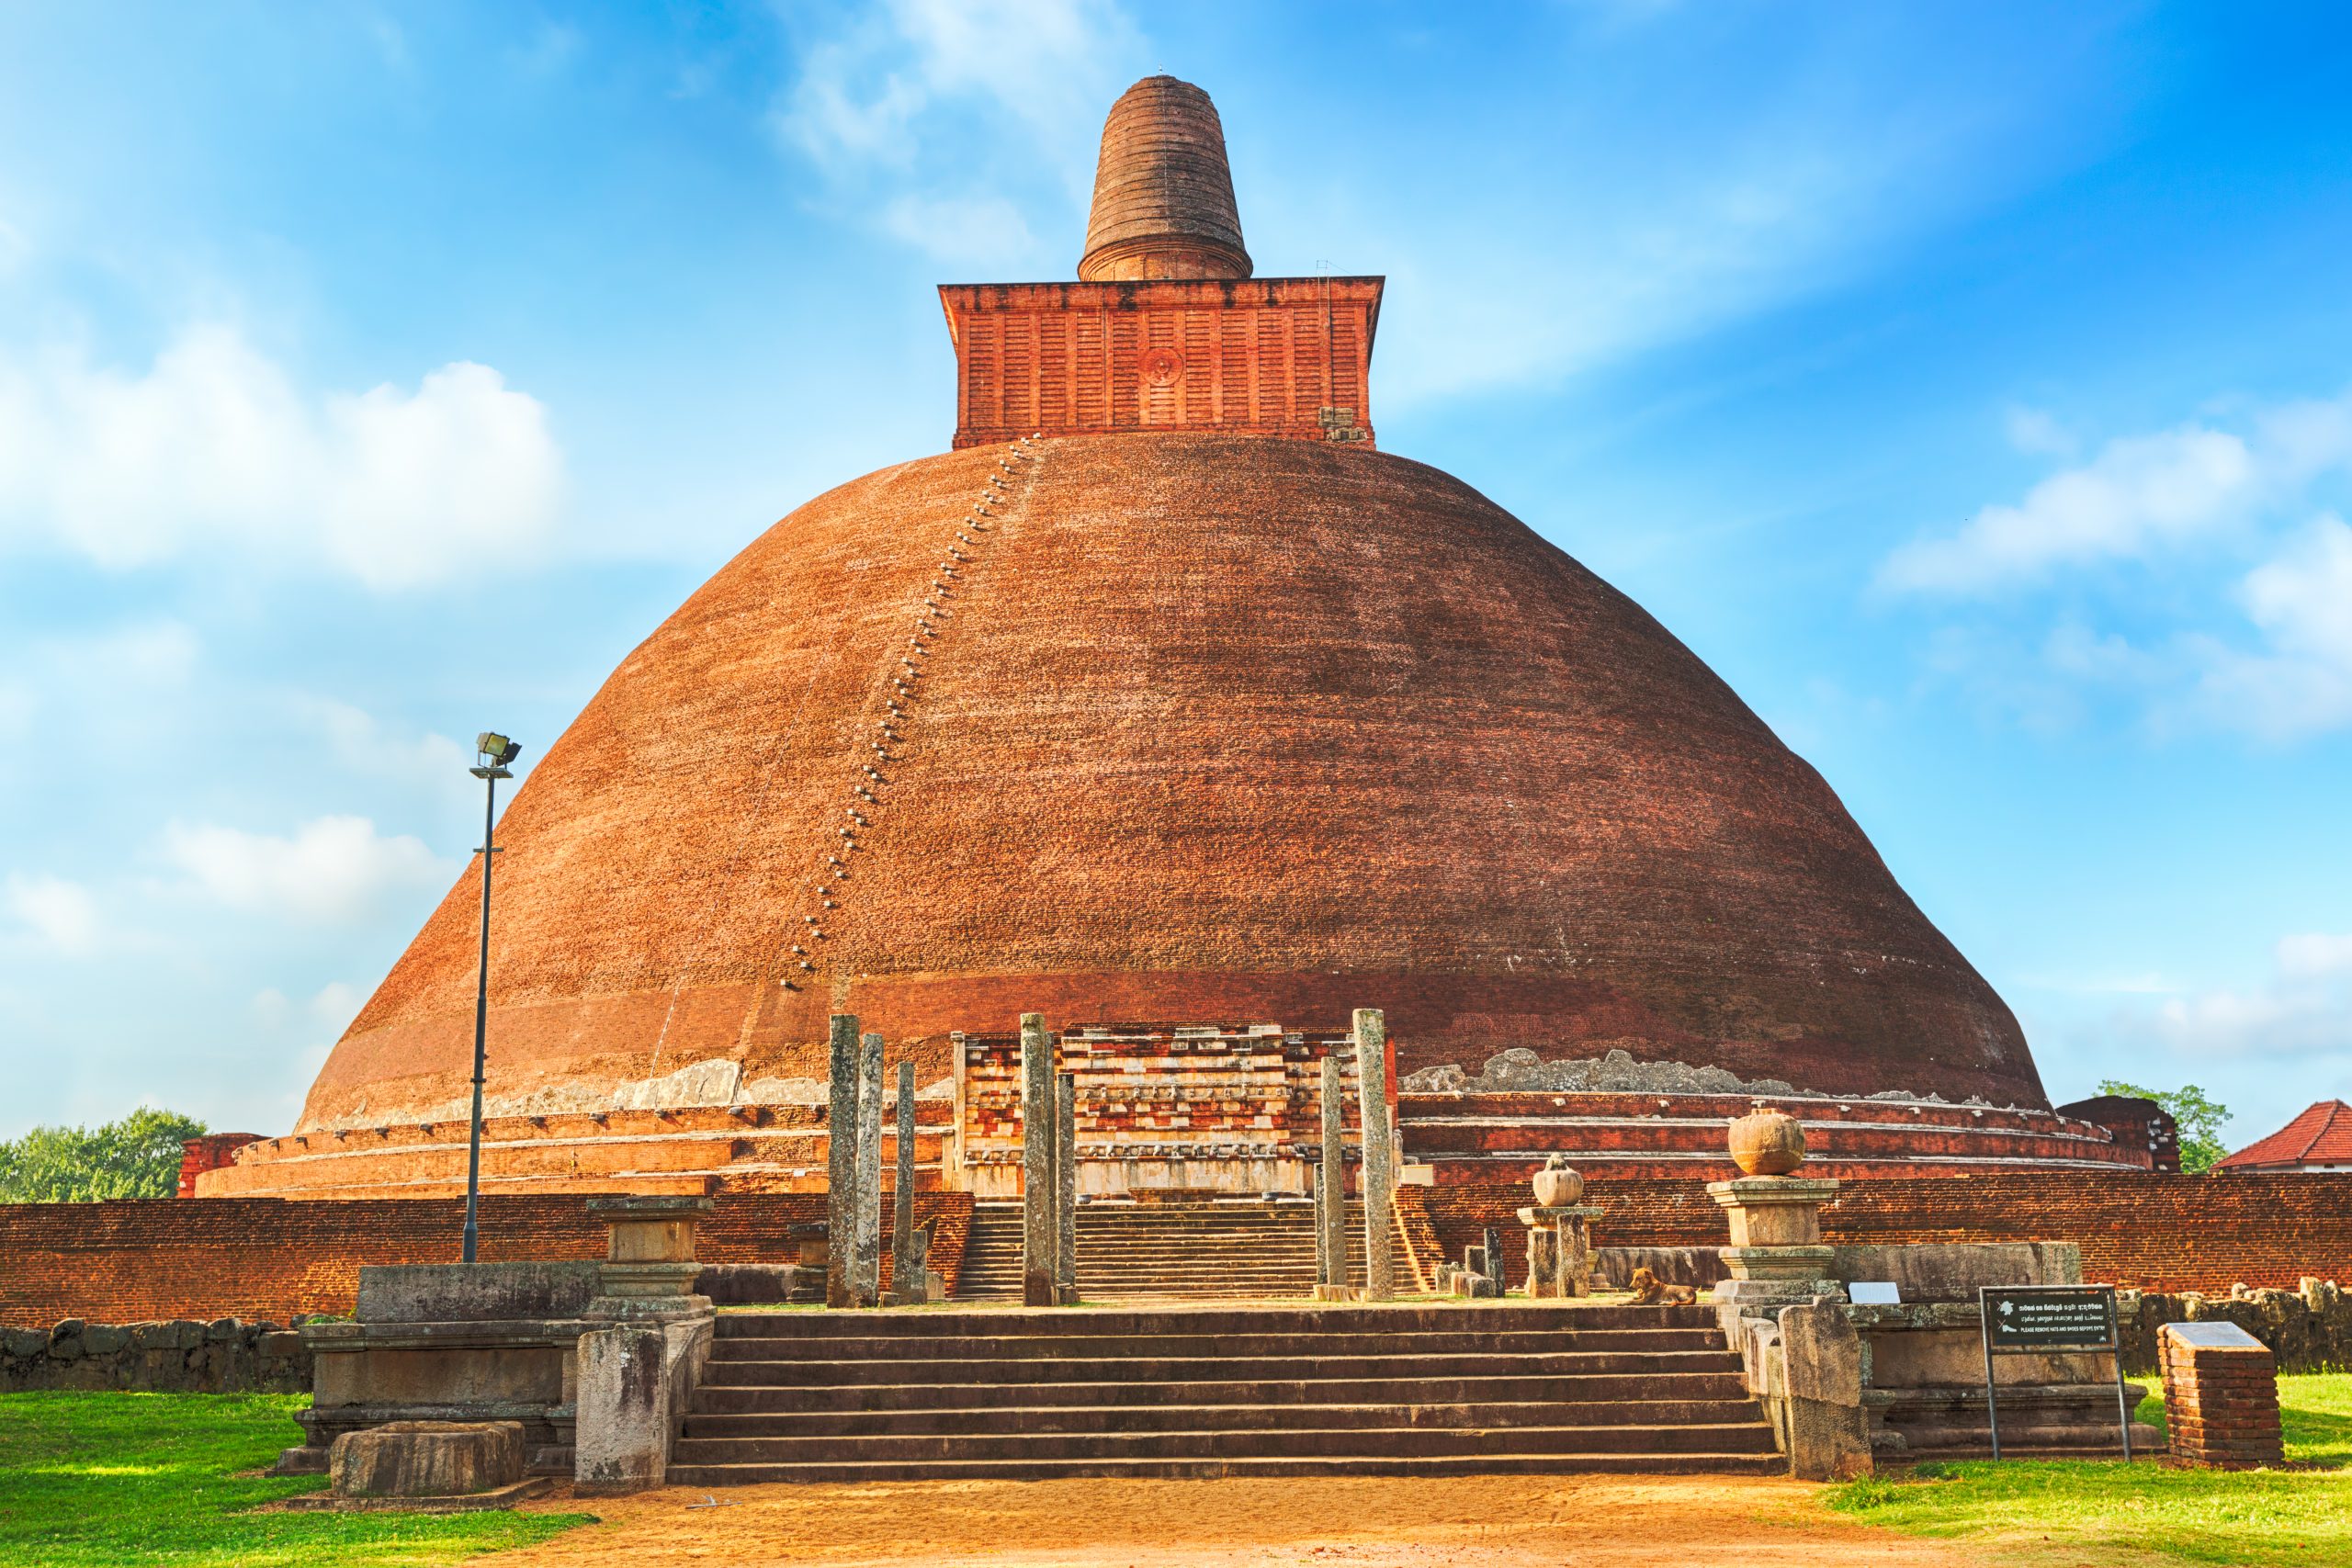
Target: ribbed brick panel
[(2155, 1231)]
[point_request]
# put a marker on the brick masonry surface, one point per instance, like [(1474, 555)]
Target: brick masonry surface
[(1191, 739), (2220, 1403), (2157, 1232), (273, 1258)]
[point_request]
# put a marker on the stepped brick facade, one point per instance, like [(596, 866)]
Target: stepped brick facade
[(1219, 1108)]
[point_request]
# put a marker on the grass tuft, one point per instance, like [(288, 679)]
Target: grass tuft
[(90, 1479), (2269, 1518)]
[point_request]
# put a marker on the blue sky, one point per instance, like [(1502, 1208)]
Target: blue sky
[(1970, 384)]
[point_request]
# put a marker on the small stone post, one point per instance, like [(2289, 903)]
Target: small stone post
[(902, 1209), (1331, 1187), (869, 1173), (840, 1163), (1379, 1166), (1038, 1232), (1066, 1190)]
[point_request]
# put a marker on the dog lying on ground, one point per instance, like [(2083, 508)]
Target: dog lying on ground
[(1649, 1290)]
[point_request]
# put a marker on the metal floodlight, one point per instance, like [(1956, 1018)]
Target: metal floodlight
[(496, 751)]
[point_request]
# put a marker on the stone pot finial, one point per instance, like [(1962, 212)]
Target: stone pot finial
[(1559, 1184), (1766, 1141)]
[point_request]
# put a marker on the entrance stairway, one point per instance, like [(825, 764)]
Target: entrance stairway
[(1429, 1390), (1196, 1251)]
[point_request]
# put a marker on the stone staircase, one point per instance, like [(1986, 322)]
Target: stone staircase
[(1197, 1251), (1410, 1389)]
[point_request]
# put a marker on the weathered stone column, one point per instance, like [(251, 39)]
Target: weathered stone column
[(840, 1163), (1066, 1190), (869, 1173), (902, 1208), (1038, 1237), (1331, 1186), (1379, 1165)]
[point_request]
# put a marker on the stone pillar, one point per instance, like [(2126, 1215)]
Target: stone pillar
[(632, 1381), (1821, 1365), (869, 1173), (1331, 1189), (2221, 1396), (1379, 1164), (840, 1163), (1066, 1190), (1039, 1231), (1776, 1253), (902, 1208)]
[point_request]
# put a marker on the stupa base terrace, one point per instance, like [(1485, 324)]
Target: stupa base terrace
[(1164, 1110)]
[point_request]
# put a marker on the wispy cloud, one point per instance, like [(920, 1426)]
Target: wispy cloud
[(214, 447), (61, 916), (332, 868), (930, 117), (2269, 655), (2303, 1008), (2139, 496)]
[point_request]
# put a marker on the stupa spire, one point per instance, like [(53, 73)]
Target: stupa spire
[(1163, 195)]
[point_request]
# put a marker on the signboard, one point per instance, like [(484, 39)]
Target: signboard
[(2053, 1318), (2025, 1319)]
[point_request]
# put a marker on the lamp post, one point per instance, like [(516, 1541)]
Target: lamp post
[(496, 751)]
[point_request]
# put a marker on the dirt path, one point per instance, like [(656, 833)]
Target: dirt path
[(1346, 1522)]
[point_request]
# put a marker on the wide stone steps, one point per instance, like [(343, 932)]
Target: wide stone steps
[(1162, 1251), (1422, 1388)]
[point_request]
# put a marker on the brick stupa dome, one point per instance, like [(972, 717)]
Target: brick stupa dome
[(1165, 714)]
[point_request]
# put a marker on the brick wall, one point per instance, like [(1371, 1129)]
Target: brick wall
[(2158, 1232), (272, 1258)]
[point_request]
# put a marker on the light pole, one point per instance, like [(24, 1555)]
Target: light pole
[(496, 751)]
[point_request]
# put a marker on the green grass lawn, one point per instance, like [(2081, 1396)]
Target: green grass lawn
[(119, 1478), (2264, 1517)]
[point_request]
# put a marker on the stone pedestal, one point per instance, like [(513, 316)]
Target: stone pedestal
[(1559, 1249), (649, 1265), (1775, 1253), (2221, 1396)]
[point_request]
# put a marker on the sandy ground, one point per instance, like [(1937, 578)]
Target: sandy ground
[(1341, 1522)]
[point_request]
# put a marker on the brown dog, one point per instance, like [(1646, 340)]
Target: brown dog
[(1649, 1290)]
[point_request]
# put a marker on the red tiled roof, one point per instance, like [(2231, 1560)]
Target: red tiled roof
[(2321, 1135)]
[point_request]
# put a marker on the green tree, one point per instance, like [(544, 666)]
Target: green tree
[(2199, 1121), (138, 1156)]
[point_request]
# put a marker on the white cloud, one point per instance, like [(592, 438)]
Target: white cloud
[(360, 742), (333, 868), (61, 914), (2300, 680), (2139, 496), (2305, 1008), (2039, 433), (1048, 65), (961, 230), (214, 448), (2139, 493)]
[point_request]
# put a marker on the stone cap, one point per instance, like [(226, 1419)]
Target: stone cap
[(648, 1206), (2213, 1337), (1757, 1190), (1536, 1214)]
